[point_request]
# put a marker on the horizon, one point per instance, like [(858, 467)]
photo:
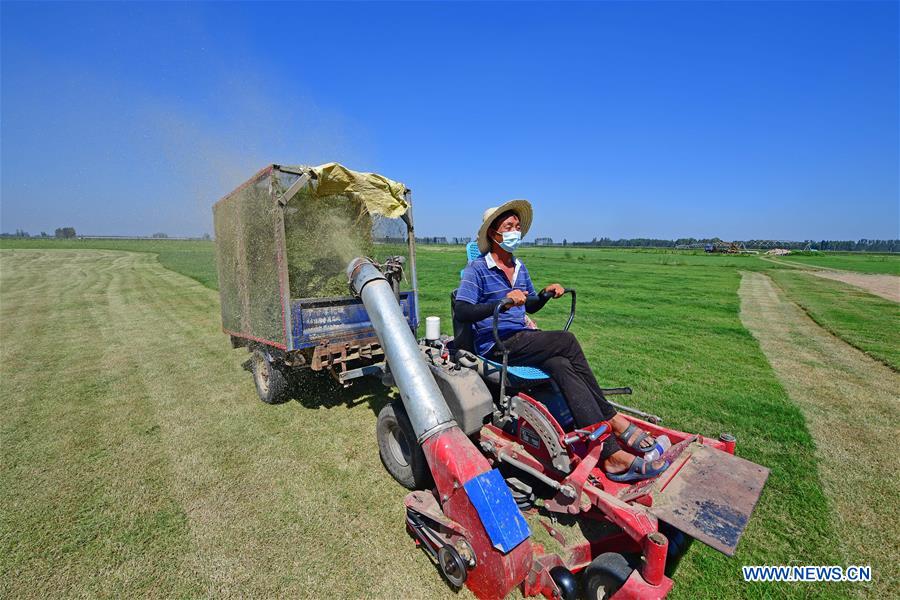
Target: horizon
[(597, 241), (733, 120)]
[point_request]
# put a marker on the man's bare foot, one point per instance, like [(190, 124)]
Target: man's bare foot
[(620, 461)]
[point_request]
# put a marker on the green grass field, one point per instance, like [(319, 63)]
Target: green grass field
[(860, 262), (867, 322), (194, 258), (144, 464)]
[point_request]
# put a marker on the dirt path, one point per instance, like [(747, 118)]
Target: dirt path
[(783, 263), (883, 285), (136, 460), (851, 405), (886, 286)]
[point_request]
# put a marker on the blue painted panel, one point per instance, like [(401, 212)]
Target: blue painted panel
[(497, 510), (317, 319)]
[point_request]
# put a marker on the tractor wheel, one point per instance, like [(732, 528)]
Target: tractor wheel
[(605, 575), (402, 456), (271, 384)]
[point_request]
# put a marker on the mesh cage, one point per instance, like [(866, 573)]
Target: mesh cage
[(247, 257)]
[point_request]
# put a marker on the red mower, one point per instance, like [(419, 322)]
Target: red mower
[(508, 492)]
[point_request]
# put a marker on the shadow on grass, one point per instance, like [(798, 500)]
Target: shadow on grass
[(318, 390)]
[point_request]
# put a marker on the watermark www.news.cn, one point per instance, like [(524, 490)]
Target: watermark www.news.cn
[(806, 573)]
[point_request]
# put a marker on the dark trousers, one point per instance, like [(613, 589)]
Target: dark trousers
[(559, 354)]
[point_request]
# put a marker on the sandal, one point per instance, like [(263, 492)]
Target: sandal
[(627, 437), (639, 470)]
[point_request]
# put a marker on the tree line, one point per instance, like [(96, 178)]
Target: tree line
[(862, 245)]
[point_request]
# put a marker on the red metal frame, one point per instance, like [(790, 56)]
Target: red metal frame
[(255, 339), (454, 460), (253, 179)]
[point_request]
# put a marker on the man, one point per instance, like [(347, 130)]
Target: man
[(497, 274)]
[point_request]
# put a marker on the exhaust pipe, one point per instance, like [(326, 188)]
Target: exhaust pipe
[(428, 412)]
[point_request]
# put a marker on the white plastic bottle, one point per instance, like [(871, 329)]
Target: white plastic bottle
[(432, 328)]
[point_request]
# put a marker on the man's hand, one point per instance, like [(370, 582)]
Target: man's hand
[(556, 289), (517, 296)]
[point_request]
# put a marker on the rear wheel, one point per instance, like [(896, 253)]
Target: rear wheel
[(605, 575), (271, 384), (402, 456)]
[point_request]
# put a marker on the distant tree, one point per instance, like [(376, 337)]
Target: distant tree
[(44, 234), (206, 236), (160, 235), (65, 232), (21, 233)]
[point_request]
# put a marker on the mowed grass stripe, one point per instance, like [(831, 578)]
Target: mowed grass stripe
[(860, 262), (850, 402), (81, 515), (867, 322), (247, 499)]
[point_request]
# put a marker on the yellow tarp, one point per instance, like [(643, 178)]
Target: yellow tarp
[(382, 196)]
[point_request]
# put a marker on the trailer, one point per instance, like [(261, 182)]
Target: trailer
[(283, 240)]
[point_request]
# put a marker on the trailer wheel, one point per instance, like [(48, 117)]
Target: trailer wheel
[(402, 456), (605, 575), (271, 383)]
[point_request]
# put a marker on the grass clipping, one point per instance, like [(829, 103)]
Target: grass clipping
[(322, 235)]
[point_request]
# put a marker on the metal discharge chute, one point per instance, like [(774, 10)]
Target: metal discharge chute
[(478, 517), (422, 398)]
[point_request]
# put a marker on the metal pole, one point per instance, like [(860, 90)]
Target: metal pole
[(411, 242)]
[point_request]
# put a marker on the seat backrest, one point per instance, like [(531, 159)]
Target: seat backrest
[(463, 334), (472, 251)]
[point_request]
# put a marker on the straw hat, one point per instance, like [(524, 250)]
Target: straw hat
[(521, 207)]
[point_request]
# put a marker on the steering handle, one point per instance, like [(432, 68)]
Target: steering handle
[(506, 302), (548, 295), (571, 310)]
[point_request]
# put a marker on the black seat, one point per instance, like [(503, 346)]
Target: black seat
[(463, 334)]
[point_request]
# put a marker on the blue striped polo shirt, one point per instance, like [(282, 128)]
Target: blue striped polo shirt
[(484, 282)]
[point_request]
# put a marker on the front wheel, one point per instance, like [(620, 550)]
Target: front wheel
[(271, 383), (402, 456), (605, 575), (679, 544)]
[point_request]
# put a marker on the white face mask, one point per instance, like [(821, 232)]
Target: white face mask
[(511, 240)]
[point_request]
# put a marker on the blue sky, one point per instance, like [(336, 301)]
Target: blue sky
[(741, 120)]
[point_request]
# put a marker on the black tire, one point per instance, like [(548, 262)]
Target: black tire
[(679, 544), (605, 575), (271, 383), (402, 456)]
